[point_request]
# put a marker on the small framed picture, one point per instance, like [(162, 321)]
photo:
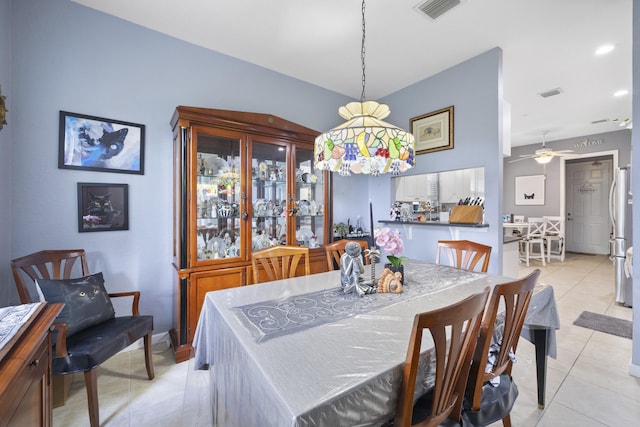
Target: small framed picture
[(98, 144), (529, 190), (103, 207), (433, 131)]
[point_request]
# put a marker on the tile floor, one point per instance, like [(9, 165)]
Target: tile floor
[(588, 385)]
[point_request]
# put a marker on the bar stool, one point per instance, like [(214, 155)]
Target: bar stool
[(536, 229), (554, 233)]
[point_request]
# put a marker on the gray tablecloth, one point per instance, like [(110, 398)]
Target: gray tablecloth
[(342, 372), (542, 314)]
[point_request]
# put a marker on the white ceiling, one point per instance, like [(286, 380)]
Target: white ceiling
[(546, 44)]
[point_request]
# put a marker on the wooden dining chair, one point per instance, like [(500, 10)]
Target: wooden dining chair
[(506, 312), (464, 254), (454, 330), (280, 262), (87, 332), (335, 250)]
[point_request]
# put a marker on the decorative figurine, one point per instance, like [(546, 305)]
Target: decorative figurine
[(396, 211), (390, 282), (351, 268), (374, 256), (202, 165)]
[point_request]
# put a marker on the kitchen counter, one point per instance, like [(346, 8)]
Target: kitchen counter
[(511, 256), (434, 223), (510, 239)]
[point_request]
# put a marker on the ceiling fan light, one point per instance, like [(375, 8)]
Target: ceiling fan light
[(543, 160)]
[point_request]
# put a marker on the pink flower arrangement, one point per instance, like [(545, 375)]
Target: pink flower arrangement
[(391, 242)]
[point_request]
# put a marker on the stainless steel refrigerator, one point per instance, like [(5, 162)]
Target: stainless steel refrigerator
[(620, 209)]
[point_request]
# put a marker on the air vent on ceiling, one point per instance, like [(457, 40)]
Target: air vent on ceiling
[(435, 8), (595, 122), (551, 92)]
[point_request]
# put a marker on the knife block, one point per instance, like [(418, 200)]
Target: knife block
[(462, 214)]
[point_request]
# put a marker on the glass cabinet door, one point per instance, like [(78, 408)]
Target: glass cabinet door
[(268, 195), (309, 199), (218, 224)]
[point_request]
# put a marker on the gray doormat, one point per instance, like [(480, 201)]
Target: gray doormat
[(603, 323)]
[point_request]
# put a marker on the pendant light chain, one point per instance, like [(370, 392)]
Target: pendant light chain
[(362, 52)]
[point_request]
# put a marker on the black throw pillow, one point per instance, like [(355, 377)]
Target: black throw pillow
[(86, 302)]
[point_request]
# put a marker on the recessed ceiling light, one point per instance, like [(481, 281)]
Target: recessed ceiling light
[(604, 49), (621, 92)]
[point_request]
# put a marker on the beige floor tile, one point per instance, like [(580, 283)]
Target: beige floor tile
[(559, 415), (598, 403)]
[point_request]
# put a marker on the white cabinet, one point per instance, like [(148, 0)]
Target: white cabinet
[(460, 184), (413, 188), (443, 187)]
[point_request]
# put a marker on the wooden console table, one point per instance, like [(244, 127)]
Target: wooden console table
[(25, 371)]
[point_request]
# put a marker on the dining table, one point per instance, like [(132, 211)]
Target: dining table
[(301, 352)]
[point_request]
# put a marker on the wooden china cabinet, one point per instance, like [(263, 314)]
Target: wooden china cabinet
[(242, 182)]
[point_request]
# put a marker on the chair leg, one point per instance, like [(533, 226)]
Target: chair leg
[(506, 421), (91, 382), (148, 360)]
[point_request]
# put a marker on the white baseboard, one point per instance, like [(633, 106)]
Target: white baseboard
[(634, 370)]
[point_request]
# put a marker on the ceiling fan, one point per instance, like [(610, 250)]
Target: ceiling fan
[(544, 155)]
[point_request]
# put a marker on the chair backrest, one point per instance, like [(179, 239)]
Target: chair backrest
[(335, 250), (537, 227), (555, 226), (454, 330), (511, 301), (280, 262), (48, 264), (464, 254)]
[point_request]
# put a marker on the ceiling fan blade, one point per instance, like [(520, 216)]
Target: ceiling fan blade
[(521, 158)]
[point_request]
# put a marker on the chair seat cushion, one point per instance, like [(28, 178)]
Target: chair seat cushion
[(86, 302), (495, 403), (90, 347)]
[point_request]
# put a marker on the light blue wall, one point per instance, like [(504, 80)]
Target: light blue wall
[(6, 282), (474, 88), (68, 57)]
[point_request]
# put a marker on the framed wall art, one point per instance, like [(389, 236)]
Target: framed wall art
[(530, 190), (98, 144), (103, 207), (433, 131)]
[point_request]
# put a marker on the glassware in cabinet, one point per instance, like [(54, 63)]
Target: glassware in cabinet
[(268, 195), (310, 201), (218, 203)]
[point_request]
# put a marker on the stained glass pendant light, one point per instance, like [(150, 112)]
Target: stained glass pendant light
[(365, 143)]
